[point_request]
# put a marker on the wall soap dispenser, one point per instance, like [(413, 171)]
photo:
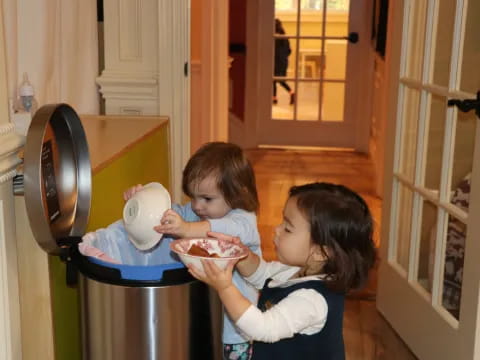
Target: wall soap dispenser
[(26, 101), (24, 106)]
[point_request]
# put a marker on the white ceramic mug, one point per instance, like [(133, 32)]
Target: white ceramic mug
[(142, 212)]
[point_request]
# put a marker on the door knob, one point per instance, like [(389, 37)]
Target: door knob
[(467, 104), (352, 37)]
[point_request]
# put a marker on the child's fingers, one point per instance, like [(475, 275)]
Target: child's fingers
[(166, 213), (165, 220), (170, 213), (126, 195), (167, 223), (131, 191), (231, 264), (164, 229), (169, 218), (195, 273), (210, 268)]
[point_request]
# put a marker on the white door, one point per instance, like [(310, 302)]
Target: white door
[(429, 273), (323, 73)]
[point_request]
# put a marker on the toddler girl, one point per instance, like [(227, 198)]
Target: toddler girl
[(325, 248), (220, 182)]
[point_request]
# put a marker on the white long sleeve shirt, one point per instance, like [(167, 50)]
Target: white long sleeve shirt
[(302, 311)]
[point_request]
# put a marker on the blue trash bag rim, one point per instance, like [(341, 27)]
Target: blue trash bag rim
[(139, 272)]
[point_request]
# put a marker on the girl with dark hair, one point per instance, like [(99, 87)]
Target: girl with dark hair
[(282, 52), (325, 249), (220, 182)]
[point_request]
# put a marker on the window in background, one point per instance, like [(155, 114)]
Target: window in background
[(310, 60), (291, 5)]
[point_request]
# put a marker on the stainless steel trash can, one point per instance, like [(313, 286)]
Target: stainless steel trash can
[(127, 312), (146, 312)]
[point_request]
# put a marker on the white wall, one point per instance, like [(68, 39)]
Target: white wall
[(56, 43), (10, 345)]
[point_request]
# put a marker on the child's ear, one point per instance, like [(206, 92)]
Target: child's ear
[(317, 253)]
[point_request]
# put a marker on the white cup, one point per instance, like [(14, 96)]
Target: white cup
[(142, 212)]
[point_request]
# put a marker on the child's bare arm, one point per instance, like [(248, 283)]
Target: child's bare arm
[(233, 300), (172, 223), (247, 266), (221, 280)]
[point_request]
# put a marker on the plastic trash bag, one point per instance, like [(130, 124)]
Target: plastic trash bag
[(112, 244)]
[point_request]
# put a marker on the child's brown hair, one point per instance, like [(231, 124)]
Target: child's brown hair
[(341, 223), (234, 174)]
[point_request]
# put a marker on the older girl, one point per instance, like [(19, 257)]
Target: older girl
[(325, 248)]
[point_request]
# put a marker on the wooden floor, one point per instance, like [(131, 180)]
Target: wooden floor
[(367, 335)]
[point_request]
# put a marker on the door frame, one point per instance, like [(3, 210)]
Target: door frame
[(174, 84), (209, 72), (392, 285), (259, 47), (260, 18)]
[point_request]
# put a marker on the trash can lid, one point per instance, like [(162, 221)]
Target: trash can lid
[(57, 176)]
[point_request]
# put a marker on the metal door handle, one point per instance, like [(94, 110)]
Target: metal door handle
[(352, 37), (467, 104)]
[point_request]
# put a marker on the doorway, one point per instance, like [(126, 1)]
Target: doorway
[(320, 51)]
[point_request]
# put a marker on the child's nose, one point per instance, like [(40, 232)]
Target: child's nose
[(277, 230), (196, 205)]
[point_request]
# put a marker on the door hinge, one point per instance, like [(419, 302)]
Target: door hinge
[(185, 68)]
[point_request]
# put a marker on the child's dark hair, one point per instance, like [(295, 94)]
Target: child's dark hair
[(234, 173), (341, 223)]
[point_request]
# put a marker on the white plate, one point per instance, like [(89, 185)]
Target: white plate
[(225, 249)]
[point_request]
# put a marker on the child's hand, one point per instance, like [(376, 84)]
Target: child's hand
[(246, 266), (223, 237), (172, 223), (214, 276), (131, 191)]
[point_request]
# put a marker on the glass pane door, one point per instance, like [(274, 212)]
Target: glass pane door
[(429, 280), (435, 152), (310, 60)]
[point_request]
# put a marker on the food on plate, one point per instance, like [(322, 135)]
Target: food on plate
[(198, 251)]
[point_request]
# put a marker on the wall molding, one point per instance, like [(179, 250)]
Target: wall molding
[(130, 87), (10, 146), (10, 328), (7, 176)]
